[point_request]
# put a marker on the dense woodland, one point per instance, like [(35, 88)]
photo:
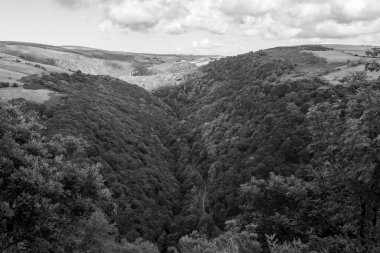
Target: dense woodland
[(245, 156)]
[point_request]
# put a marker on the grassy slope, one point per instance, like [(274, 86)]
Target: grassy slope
[(102, 62)]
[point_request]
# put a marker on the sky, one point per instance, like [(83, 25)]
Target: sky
[(223, 27)]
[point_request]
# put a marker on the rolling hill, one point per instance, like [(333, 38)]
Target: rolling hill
[(18, 59), (258, 152)]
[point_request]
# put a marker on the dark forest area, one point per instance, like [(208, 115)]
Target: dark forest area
[(248, 155)]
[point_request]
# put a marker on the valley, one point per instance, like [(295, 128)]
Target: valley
[(19, 59), (126, 152)]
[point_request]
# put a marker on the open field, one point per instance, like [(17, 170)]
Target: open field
[(333, 56), (38, 96), (346, 59), (335, 76)]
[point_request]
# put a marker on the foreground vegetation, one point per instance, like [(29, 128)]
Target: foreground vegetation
[(240, 158)]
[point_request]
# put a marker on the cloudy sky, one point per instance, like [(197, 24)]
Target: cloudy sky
[(224, 27)]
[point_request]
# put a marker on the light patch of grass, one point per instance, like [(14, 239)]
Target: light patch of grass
[(333, 56), (38, 96), (334, 77)]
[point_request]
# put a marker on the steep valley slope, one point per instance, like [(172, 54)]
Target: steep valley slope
[(232, 141)]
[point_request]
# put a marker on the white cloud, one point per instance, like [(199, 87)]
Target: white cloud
[(310, 19), (143, 15), (74, 4), (270, 19), (249, 7), (206, 44), (268, 27), (106, 26)]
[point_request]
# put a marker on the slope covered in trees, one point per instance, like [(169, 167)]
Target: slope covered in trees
[(253, 153), (238, 120), (247, 117), (53, 198), (126, 129)]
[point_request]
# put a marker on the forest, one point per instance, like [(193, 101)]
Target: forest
[(239, 158)]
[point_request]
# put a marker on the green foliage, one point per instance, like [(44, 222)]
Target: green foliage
[(346, 163), (33, 58), (309, 147), (276, 204), (4, 84), (140, 69), (139, 246), (234, 240), (236, 122), (196, 243), (97, 234), (374, 52), (47, 187), (296, 246), (240, 150), (127, 130), (333, 205), (372, 66)]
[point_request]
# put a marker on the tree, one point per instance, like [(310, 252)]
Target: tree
[(47, 186), (234, 240), (347, 166), (372, 66), (140, 69)]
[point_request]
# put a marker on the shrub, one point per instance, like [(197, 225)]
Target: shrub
[(4, 84), (296, 246), (140, 69)]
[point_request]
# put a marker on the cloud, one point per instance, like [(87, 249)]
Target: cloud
[(309, 19), (206, 44), (270, 19), (73, 4), (169, 16), (143, 15), (105, 26)]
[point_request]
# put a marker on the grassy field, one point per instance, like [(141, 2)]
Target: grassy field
[(335, 76), (38, 96), (13, 68), (333, 56), (344, 60)]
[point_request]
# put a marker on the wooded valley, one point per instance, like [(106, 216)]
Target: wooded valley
[(251, 153)]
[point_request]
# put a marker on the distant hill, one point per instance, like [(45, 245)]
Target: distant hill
[(19, 59), (151, 71)]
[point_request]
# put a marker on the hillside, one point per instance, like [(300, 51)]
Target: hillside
[(238, 118), (277, 146), (259, 152), (18, 59), (126, 129)]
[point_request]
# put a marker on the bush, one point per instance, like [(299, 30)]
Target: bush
[(296, 246), (4, 85), (140, 69)]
